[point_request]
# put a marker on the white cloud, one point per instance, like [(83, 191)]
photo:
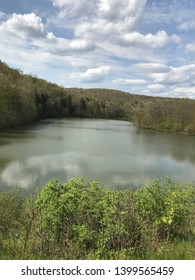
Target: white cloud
[(190, 47), (134, 37), (100, 22), (62, 3), (31, 28), (187, 25), (121, 81), (183, 92), (74, 9), (112, 25), (150, 68), (129, 12), (175, 38), (93, 75), (119, 28), (149, 41), (62, 46), (100, 28), (24, 26), (176, 75), (2, 15), (156, 88), (173, 12), (72, 5), (144, 41), (128, 15)]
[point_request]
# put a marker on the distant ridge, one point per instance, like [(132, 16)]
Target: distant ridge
[(25, 98)]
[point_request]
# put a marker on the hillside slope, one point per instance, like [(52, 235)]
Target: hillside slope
[(25, 98)]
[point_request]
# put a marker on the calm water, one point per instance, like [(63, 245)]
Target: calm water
[(112, 152)]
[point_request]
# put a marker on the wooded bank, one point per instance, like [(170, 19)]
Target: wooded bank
[(25, 98)]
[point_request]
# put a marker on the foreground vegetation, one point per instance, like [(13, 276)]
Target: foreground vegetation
[(78, 220), (25, 98)]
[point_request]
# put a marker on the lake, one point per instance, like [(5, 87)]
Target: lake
[(113, 152)]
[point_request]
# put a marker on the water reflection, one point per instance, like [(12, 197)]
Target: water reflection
[(179, 147), (112, 152)]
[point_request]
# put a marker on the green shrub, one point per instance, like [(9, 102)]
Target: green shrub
[(79, 220), (167, 205)]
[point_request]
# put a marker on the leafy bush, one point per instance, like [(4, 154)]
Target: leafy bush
[(166, 204), (78, 220)]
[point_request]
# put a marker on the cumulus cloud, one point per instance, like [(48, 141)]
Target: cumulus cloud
[(144, 41), (156, 88), (190, 47), (98, 33), (100, 21), (61, 46), (31, 28), (74, 9), (175, 38), (24, 26), (106, 23), (187, 25), (161, 78), (128, 13), (176, 75), (93, 75), (149, 41), (121, 81), (185, 91)]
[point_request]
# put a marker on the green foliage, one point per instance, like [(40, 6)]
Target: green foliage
[(78, 220), (24, 98), (11, 206), (176, 115), (166, 204)]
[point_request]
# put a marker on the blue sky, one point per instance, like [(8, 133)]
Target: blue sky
[(139, 46)]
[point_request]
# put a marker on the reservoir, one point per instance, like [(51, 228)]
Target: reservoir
[(115, 153)]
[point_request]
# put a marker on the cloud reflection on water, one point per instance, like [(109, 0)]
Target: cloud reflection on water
[(112, 152)]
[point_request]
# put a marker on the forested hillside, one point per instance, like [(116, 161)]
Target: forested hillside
[(25, 98)]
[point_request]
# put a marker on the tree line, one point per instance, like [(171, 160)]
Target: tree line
[(25, 98)]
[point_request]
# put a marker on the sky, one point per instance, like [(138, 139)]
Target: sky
[(138, 46)]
